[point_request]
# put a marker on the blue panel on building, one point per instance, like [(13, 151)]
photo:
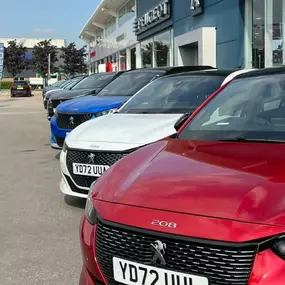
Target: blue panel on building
[(226, 16)]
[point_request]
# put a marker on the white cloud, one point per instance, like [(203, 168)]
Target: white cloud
[(44, 31)]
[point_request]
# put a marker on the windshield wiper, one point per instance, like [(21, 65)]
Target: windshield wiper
[(244, 139)]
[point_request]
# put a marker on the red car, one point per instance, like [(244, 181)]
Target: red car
[(205, 208)]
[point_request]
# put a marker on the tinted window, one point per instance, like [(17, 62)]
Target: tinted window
[(57, 84), (95, 81), (252, 108), (129, 83), (67, 82), (73, 83), (23, 83), (181, 94)]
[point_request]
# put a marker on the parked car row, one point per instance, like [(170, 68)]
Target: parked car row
[(182, 172)]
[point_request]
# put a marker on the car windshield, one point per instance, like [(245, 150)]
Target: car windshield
[(23, 83), (73, 83), (249, 109), (69, 84), (129, 83), (95, 81), (57, 84), (179, 94), (66, 83)]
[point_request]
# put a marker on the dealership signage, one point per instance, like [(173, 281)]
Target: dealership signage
[(154, 16), (196, 7), (1, 61)]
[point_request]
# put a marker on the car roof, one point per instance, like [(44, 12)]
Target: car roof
[(173, 69), (263, 72), (211, 72), (107, 73)]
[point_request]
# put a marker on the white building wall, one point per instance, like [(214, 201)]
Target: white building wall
[(109, 45)]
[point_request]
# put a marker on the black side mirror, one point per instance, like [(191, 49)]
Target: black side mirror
[(181, 121)]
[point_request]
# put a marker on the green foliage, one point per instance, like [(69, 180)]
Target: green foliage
[(5, 85), (14, 58), (41, 52), (73, 59)]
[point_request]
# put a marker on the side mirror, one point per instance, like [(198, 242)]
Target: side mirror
[(181, 121)]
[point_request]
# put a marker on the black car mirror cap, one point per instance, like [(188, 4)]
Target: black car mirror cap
[(179, 123)]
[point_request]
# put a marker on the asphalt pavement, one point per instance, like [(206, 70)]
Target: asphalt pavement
[(39, 240)]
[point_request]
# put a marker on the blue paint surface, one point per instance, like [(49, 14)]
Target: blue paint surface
[(227, 16)]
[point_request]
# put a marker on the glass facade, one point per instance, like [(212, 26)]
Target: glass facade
[(162, 46), (126, 12), (123, 60), (147, 53), (110, 26), (156, 51), (265, 26)]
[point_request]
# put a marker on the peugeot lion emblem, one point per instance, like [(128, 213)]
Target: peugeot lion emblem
[(91, 158), (71, 121), (159, 252), (195, 4)]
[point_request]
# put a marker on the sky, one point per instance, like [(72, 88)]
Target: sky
[(45, 19)]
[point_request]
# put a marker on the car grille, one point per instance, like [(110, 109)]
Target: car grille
[(70, 122), (102, 158), (222, 264)]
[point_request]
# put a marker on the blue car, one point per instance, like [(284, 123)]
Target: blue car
[(71, 114)]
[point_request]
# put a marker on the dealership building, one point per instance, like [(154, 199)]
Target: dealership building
[(153, 33)]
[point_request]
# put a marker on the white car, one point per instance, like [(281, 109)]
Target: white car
[(154, 113)]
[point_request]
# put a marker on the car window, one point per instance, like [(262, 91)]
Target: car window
[(179, 94), (129, 83), (67, 82), (95, 81), (57, 84), (250, 107), (23, 83)]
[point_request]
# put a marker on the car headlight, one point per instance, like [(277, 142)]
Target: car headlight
[(90, 212), (105, 112), (56, 113), (49, 102), (279, 247)]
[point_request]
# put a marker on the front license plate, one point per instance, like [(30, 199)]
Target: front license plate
[(89, 170), (132, 273)]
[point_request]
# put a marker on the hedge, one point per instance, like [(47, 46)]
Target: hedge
[(6, 85)]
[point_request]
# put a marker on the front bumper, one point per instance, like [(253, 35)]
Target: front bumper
[(50, 112), (58, 134), (267, 268), (67, 185), (21, 93)]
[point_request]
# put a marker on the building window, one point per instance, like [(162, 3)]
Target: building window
[(127, 12), (133, 58), (162, 45), (110, 26), (147, 53), (258, 33), (123, 60), (264, 33)]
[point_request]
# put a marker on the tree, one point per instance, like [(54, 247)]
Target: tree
[(40, 60), (73, 59), (14, 58)]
